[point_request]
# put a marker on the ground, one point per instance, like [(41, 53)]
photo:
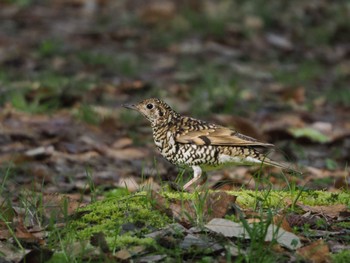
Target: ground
[(279, 72)]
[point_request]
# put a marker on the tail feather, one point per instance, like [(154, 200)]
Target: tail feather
[(283, 166)]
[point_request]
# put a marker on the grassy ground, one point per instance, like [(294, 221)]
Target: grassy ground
[(276, 71)]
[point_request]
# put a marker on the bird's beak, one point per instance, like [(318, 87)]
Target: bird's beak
[(130, 106)]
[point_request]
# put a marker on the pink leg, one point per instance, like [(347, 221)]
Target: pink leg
[(197, 172)]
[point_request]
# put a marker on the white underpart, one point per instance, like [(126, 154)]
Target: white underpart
[(223, 158), (158, 143), (252, 160), (171, 150), (170, 138)]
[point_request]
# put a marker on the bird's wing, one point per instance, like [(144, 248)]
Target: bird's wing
[(218, 136)]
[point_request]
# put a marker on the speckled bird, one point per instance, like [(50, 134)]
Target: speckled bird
[(189, 142)]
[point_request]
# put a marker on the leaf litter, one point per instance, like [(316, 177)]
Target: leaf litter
[(63, 137)]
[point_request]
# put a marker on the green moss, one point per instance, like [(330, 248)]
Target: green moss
[(57, 257), (248, 198), (128, 240), (121, 209), (110, 215)]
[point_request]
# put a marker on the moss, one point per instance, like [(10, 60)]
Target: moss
[(249, 198), (121, 209), (275, 198), (128, 240), (110, 215)]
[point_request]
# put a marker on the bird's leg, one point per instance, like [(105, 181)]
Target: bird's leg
[(204, 178), (197, 172)]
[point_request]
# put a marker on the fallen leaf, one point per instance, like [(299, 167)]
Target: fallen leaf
[(279, 41), (22, 233), (215, 204), (122, 143), (227, 228), (309, 133), (332, 211), (218, 203), (232, 229), (158, 12), (316, 252), (192, 241), (280, 220), (129, 183), (125, 254), (10, 252), (128, 153), (40, 152), (284, 238), (296, 95), (152, 258)]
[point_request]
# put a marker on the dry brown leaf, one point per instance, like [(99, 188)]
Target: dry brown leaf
[(125, 254), (122, 143), (129, 183), (61, 204), (4, 232), (316, 252), (82, 157), (216, 205), (22, 233), (158, 12), (280, 220), (332, 211), (126, 154), (296, 95)]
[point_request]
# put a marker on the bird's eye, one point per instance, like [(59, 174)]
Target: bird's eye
[(149, 106)]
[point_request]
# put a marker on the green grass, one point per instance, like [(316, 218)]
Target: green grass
[(50, 47), (21, 3), (339, 95), (304, 73), (342, 257)]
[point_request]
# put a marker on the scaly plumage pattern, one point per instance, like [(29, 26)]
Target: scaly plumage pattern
[(186, 141)]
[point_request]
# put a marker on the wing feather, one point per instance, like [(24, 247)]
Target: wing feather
[(218, 136)]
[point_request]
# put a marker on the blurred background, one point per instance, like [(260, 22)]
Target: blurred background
[(276, 70)]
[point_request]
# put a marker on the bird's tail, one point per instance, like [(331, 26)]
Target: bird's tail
[(284, 166)]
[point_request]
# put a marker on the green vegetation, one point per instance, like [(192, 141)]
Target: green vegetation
[(111, 214), (207, 58), (342, 257)]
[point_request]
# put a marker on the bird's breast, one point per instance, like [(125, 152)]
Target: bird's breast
[(166, 144)]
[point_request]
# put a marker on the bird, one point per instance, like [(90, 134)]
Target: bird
[(203, 146)]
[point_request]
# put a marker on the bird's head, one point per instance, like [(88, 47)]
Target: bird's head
[(155, 110)]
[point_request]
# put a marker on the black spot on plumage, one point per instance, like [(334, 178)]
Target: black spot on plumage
[(205, 139)]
